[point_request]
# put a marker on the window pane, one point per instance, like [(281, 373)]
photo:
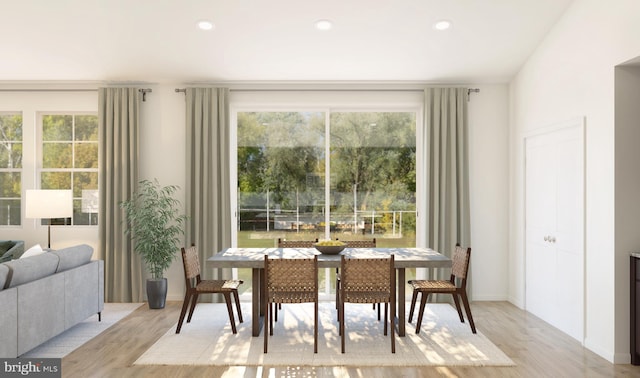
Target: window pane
[(86, 128), (83, 217), (56, 155), (10, 168), (280, 175), (10, 184), (373, 177), (83, 181), (10, 212), (55, 180), (10, 155), (57, 127), (86, 155)]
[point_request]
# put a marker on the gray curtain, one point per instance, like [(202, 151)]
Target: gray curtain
[(208, 180), (118, 120), (447, 148)]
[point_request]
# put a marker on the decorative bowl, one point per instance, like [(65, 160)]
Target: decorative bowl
[(329, 249)]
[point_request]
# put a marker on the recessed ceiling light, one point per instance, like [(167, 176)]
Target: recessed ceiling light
[(205, 25), (442, 25), (324, 24)]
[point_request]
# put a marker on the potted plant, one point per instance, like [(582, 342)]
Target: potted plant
[(154, 223)]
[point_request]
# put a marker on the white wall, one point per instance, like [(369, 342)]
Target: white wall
[(489, 191), (572, 74)]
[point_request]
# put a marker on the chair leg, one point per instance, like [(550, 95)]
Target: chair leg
[(227, 299), (341, 315), (274, 313), (392, 318), (457, 302), (467, 308), (194, 300), (267, 311), (315, 328), (413, 304), (337, 287), (374, 306), (423, 302), (386, 308), (235, 292), (185, 305)]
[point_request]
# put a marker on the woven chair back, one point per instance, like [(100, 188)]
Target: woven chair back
[(361, 243), (460, 263), (367, 280), (296, 243), (291, 280), (191, 262)]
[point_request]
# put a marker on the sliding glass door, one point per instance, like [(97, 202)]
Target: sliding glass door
[(284, 190), (308, 173)]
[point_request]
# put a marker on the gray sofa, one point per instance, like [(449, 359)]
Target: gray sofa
[(42, 296)]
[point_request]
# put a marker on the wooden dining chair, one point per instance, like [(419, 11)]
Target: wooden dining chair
[(459, 270), (290, 281), (282, 243), (196, 286), (368, 280), (369, 243)]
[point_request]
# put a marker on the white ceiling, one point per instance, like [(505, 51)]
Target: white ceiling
[(156, 41)]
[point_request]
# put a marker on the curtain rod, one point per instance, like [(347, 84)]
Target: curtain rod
[(143, 91), (48, 90), (469, 91)]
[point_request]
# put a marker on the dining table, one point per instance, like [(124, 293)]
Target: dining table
[(253, 258)]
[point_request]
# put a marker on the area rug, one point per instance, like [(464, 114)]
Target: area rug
[(208, 340), (76, 336)]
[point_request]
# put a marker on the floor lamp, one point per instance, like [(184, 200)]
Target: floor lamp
[(48, 204)]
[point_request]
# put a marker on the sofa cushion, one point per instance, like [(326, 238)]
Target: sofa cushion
[(31, 268), (4, 275), (73, 256), (33, 251)]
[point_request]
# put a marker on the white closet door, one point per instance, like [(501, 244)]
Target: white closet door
[(554, 228)]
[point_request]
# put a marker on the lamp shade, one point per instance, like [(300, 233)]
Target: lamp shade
[(49, 204)]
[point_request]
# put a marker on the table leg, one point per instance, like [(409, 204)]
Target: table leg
[(257, 312), (401, 303)]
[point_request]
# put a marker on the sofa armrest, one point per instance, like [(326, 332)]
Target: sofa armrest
[(14, 252)]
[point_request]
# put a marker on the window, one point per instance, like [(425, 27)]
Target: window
[(334, 173), (282, 165), (10, 168), (70, 161)]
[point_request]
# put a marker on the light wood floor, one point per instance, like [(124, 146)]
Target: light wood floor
[(538, 350)]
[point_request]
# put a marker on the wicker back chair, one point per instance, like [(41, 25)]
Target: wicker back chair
[(370, 243), (460, 269), (196, 286), (293, 244), (296, 243), (290, 281), (368, 280)]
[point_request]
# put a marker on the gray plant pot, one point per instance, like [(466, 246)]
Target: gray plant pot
[(156, 292)]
